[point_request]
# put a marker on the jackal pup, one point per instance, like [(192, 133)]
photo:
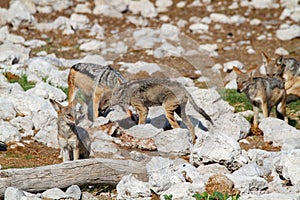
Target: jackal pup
[(67, 136), (264, 93), (144, 93), (93, 80)]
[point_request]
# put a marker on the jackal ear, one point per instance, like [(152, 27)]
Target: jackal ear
[(236, 70), (57, 106), (265, 58), (251, 71)]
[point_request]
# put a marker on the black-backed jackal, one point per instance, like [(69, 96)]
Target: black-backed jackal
[(288, 69), (93, 80), (144, 93), (68, 139), (264, 93)]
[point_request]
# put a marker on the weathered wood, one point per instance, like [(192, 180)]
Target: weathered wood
[(88, 171)]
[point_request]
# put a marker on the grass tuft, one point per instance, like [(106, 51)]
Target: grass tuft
[(23, 81), (238, 100)]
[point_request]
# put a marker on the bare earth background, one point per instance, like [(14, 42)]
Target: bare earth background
[(34, 154)]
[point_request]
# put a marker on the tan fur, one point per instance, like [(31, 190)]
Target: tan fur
[(264, 93), (287, 69), (84, 77), (144, 93), (67, 138)]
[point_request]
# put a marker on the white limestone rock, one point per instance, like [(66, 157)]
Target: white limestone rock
[(93, 45), (288, 33), (290, 166), (9, 133), (47, 91), (131, 188), (139, 66), (7, 110), (144, 7), (229, 65), (13, 193), (13, 53), (277, 130), (175, 141), (73, 192), (24, 125), (54, 193), (162, 175), (20, 13), (218, 148), (247, 184)]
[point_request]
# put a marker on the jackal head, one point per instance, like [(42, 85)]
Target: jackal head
[(271, 70), (281, 64), (244, 78), (105, 102), (64, 113)]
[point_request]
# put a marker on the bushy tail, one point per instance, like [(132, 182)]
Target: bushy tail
[(198, 109)]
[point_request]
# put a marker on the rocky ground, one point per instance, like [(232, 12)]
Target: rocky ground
[(227, 32)]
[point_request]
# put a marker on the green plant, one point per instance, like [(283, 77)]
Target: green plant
[(168, 196), (23, 81), (238, 100), (215, 196)]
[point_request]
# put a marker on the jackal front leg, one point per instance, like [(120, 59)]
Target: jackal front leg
[(266, 109), (255, 116), (96, 100)]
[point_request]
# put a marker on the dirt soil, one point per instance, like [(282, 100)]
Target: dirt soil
[(34, 154)]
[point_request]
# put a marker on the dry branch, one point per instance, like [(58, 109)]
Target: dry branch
[(88, 171)]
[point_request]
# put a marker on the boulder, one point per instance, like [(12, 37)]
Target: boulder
[(277, 130), (7, 110), (131, 188)]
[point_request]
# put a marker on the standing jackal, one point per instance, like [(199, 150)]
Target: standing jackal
[(67, 138), (262, 92), (144, 93), (289, 70), (93, 80), (69, 141)]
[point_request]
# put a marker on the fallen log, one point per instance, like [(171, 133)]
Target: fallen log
[(79, 172)]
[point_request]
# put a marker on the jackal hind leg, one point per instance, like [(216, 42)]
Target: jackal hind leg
[(187, 121), (142, 111), (281, 110), (169, 108)]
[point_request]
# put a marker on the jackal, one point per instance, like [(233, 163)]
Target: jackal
[(68, 139), (144, 93), (262, 92), (289, 70), (92, 80)]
